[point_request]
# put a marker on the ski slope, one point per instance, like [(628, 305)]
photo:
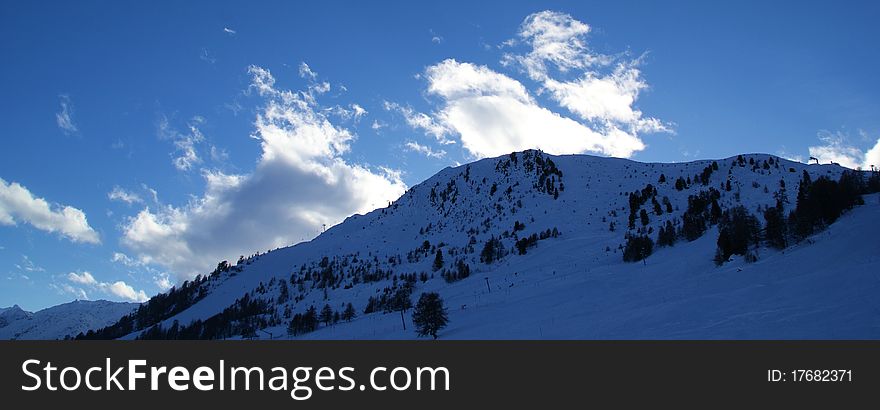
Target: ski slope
[(575, 285)]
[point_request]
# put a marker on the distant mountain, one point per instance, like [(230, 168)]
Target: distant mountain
[(530, 245), (57, 322)]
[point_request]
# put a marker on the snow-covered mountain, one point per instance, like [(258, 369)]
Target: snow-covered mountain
[(532, 246), (60, 321)]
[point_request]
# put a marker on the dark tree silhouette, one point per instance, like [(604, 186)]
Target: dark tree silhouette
[(429, 315)]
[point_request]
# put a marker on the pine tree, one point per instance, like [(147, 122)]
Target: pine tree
[(737, 231), (310, 319), (326, 314), (349, 313), (438, 260), (775, 230), (637, 248), (429, 315)]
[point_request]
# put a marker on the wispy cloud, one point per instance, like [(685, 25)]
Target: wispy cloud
[(229, 31), (424, 150), (64, 118), (207, 57), (421, 121), (186, 156), (28, 266), (119, 194), (435, 38)]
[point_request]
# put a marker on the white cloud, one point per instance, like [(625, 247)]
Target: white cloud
[(493, 113), (354, 112), (124, 259), (299, 183), (28, 265), (555, 38), (604, 89), (186, 153), (119, 288), (421, 121), (64, 118), (305, 72), (84, 278), (424, 150), (607, 100), (119, 194), (358, 111), (837, 148), (163, 281), (153, 193), (435, 38), (63, 288), (125, 291), (219, 154), (229, 31), (17, 204), (207, 57)]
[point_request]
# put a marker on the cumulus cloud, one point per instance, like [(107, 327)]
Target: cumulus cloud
[(837, 148), (119, 288), (119, 194), (125, 291), (64, 118), (424, 150), (493, 113), (17, 204), (300, 182)]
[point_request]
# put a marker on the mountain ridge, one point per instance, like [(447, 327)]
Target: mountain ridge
[(60, 321), (482, 217)]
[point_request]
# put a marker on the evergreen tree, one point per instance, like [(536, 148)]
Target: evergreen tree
[(310, 319), (326, 314), (737, 231), (349, 313), (490, 251), (284, 293), (438, 260), (429, 315), (637, 248), (775, 229), (666, 235)]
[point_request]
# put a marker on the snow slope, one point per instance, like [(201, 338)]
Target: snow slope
[(574, 285), (60, 321)]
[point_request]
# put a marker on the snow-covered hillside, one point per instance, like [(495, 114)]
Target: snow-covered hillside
[(60, 321), (532, 247)]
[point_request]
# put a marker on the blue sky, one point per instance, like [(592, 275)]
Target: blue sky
[(145, 142)]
